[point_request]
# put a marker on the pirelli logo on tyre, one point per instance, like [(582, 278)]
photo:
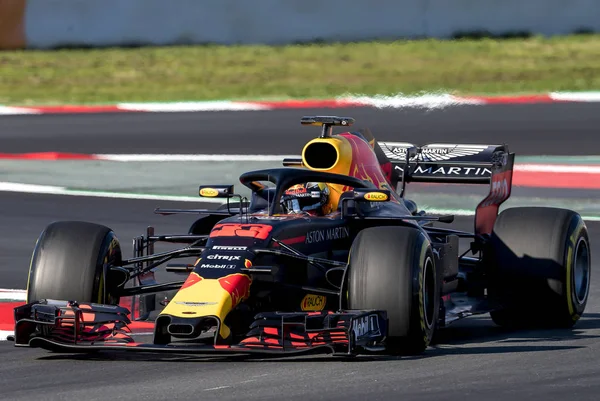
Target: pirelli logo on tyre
[(209, 192), (376, 196), (313, 303)]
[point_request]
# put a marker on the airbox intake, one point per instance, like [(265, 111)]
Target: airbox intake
[(320, 155)]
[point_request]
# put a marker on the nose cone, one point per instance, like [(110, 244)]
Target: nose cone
[(203, 297)]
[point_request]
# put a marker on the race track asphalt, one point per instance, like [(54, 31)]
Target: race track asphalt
[(533, 129), (474, 360)]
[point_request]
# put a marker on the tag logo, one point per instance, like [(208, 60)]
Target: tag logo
[(376, 196), (209, 192), (313, 303)]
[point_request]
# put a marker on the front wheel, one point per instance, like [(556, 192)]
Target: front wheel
[(393, 269), (70, 262)]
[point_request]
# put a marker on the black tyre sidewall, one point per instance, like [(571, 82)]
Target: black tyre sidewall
[(574, 308), (105, 287), (534, 297), (70, 261), (401, 259)]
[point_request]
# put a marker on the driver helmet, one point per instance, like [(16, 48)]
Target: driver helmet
[(309, 197)]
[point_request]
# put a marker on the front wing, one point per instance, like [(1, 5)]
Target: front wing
[(66, 326)]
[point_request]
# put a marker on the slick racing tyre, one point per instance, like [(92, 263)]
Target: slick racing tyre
[(69, 263), (393, 269), (540, 267)]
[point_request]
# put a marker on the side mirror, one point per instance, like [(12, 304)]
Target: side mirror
[(216, 191), (371, 195)]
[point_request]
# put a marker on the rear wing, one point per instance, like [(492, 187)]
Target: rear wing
[(456, 164), (444, 163)]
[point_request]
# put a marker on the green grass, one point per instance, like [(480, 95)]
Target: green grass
[(300, 71)]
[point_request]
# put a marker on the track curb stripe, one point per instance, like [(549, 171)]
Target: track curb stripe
[(399, 101), (5, 333)]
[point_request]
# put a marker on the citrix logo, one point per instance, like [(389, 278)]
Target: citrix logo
[(223, 257)]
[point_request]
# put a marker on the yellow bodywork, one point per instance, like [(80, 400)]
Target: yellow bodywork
[(200, 297), (355, 158), (341, 166)]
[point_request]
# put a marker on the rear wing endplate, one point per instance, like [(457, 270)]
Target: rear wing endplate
[(500, 189)]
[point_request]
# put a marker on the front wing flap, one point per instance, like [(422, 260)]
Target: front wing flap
[(67, 326)]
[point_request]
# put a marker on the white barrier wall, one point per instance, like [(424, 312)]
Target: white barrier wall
[(50, 23)]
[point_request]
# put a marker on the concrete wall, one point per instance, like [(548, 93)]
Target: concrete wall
[(50, 23), (12, 30)]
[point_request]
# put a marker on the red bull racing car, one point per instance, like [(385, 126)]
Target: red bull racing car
[(325, 254)]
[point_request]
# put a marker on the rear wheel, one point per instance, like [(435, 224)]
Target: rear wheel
[(393, 269), (541, 267), (70, 262)]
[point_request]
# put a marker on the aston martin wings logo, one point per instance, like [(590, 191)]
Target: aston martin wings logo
[(430, 153)]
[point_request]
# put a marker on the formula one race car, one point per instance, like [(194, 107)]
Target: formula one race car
[(325, 255)]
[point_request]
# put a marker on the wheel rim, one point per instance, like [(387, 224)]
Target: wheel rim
[(428, 292), (581, 271)]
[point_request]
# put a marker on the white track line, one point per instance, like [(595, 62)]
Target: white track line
[(17, 110), (56, 190), (576, 96), (191, 158), (5, 333), (427, 101), (12, 295), (193, 106)]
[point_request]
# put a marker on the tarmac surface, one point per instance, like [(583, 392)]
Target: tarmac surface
[(473, 359), (529, 129)]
